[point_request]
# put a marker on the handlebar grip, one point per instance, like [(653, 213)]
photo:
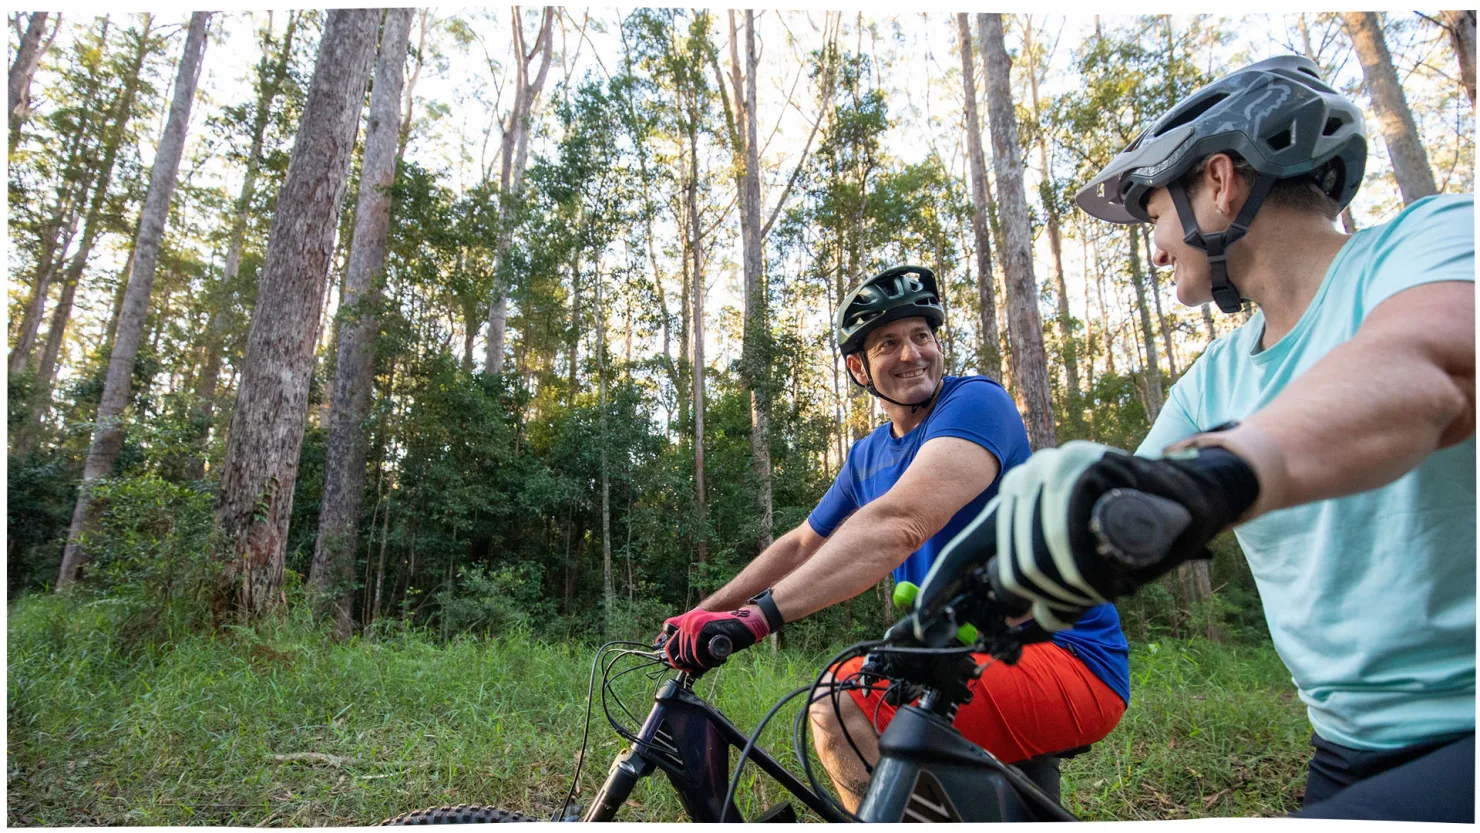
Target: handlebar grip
[(1137, 529), (720, 646)]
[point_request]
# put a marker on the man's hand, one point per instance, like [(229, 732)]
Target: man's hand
[(688, 648), (1047, 552)]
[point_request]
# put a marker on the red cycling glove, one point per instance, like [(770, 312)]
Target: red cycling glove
[(688, 649)]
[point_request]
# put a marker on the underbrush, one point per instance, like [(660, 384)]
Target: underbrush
[(278, 726)]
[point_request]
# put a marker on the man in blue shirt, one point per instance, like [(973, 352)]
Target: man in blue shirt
[(1335, 431), (905, 491)]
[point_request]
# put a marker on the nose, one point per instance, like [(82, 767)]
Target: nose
[(910, 352), (1160, 257)]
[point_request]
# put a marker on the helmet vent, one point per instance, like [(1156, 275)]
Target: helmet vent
[(1333, 124), (1191, 113), (1280, 140)]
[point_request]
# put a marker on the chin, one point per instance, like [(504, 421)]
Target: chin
[(1193, 294)]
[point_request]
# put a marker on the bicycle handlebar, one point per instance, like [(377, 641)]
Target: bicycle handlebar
[(1133, 528)]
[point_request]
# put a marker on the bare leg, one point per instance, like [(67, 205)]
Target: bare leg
[(838, 758)]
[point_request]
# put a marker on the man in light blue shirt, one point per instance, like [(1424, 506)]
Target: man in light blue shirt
[(1334, 430)]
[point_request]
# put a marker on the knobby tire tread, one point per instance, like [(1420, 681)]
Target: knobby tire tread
[(459, 814)]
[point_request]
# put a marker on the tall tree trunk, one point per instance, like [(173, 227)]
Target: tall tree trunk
[(755, 350), (1153, 391), (515, 147), (270, 78), (1399, 133), (1461, 28), (107, 439), (332, 569), (28, 58), (1068, 345), (266, 431), (608, 587), (989, 351), (1029, 364), (695, 249)]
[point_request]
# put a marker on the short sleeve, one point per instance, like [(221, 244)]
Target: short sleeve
[(1432, 241), (837, 504), (1174, 423), (980, 411)]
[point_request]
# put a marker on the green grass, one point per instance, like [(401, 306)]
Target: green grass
[(279, 727)]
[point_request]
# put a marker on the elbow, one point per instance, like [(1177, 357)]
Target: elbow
[(1454, 410), (900, 529)]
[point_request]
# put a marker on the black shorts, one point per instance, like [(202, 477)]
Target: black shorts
[(1428, 782)]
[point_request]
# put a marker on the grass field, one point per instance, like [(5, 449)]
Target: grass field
[(279, 727)]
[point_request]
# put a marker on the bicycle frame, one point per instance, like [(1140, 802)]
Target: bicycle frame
[(927, 770), (690, 741)]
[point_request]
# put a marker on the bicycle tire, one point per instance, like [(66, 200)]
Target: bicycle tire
[(459, 814)]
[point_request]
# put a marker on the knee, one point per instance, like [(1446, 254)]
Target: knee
[(821, 714)]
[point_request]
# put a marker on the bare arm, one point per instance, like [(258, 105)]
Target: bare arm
[(946, 474), (1373, 408), (779, 559)]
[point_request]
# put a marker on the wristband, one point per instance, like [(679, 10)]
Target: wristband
[(1256, 448), (769, 609)]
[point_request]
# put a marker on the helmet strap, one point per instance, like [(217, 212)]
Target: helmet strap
[(1215, 244)]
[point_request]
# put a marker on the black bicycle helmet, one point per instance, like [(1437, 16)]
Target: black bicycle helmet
[(1277, 114), (895, 293)]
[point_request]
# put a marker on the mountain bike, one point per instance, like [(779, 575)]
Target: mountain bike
[(927, 771)]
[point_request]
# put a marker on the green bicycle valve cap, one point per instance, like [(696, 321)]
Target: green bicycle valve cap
[(967, 634), (905, 593)]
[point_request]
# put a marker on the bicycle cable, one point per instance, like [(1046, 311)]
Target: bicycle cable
[(586, 732)]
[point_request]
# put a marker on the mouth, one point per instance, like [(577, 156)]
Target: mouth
[(908, 375)]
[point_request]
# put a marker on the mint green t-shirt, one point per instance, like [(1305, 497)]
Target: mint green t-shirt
[(1370, 598)]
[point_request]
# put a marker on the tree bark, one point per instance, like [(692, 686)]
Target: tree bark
[(332, 569), (1161, 317), (107, 439), (513, 153), (1399, 133), (697, 330), (1029, 363), (270, 81), (989, 351), (1461, 28), (266, 431), (28, 57)]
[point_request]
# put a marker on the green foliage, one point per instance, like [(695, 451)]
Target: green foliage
[(279, 726), (491, 602)]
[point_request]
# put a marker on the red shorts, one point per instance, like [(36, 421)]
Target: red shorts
[(1048, 702)]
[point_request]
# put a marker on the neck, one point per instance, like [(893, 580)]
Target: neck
[(901, 421), (1283, 260)]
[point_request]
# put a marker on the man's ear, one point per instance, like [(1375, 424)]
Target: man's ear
[(855, 367)]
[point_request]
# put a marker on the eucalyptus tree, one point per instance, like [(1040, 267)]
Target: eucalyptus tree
[(63, 169), (273, 80), (1394, 118), (332, 570), (513, 155), (1460, 26), (28, 58), (107, 437), (1025, 329), (266, 433), (989, 360)]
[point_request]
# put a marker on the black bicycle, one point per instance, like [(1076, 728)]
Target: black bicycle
[(927, 771)]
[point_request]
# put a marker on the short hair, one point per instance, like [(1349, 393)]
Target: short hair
[(1300, 193)]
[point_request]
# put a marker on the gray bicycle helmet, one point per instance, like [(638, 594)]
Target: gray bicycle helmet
[(895, 293), (1277, 114)]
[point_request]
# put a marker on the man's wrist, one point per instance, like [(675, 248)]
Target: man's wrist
[(767, 606)]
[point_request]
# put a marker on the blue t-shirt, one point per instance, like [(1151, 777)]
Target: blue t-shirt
[(1370, 598), (976, 409)]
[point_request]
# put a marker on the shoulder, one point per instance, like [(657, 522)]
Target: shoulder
[(1438, 214), (972, 389)]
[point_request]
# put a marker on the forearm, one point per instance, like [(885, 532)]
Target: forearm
[(855, 558), (765, 570), (1365, 415)]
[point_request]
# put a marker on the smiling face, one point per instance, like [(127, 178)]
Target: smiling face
[(1190, 270), (904, 358)]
